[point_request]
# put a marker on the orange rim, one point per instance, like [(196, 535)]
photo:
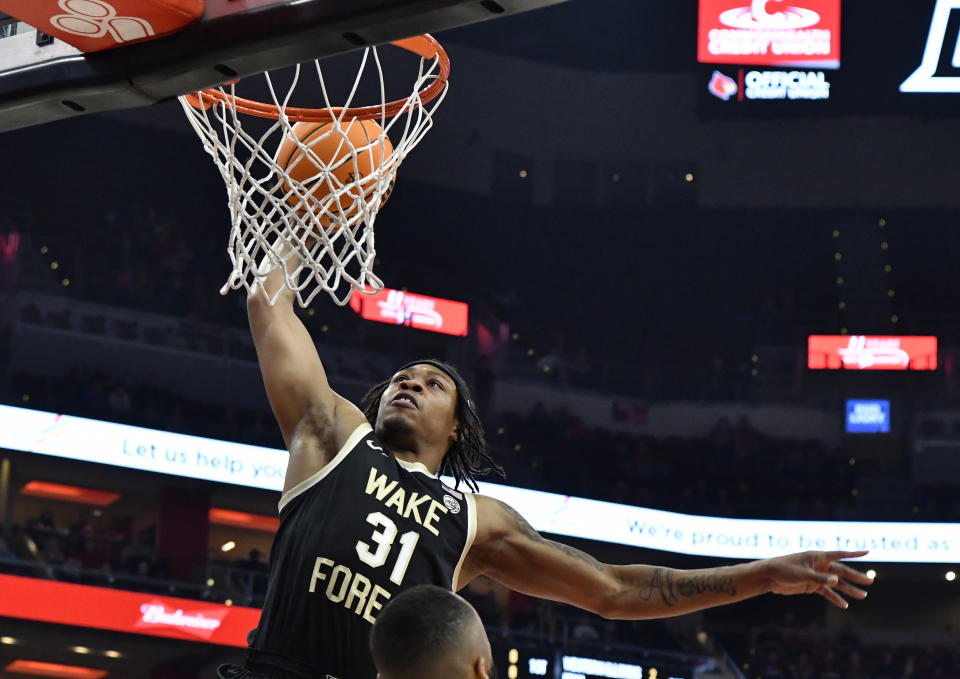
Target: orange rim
[(425, 46)]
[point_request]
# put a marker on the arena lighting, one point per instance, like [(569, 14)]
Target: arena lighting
[(227, 546), (76, 438), (8, 641), (871, 573), (951, 576), (59, 491), (228, 517), (49, 669), (82, 650)]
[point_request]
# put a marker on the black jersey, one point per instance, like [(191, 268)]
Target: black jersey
[(359, 531)]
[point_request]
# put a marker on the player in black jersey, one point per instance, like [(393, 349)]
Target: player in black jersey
[(429, 632), (363, 517)]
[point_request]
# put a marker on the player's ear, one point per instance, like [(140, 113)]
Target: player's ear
[(480, 669)]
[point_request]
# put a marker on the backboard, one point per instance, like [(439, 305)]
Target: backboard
[(43, 79)]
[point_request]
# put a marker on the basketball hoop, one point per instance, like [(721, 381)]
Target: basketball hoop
[(319, 228)]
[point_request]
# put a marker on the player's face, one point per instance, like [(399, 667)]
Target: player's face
[(420, 401), (481, 646)]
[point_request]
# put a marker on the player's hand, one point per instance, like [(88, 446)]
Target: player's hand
[(817, 572)]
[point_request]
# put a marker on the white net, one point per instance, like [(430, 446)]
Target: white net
[(304, 196)]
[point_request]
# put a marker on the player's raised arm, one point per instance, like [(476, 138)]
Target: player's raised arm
[(314, 420), (510, 551)]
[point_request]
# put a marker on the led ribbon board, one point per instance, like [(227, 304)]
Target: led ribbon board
[(761, 33), (133, 612), (163, 452)]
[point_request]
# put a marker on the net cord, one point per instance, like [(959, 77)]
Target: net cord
[(276, 228)]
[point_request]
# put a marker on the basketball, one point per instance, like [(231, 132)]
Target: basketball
[(332, 148)]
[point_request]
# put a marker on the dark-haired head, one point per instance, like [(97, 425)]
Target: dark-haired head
[(440, 408), (428, 632)]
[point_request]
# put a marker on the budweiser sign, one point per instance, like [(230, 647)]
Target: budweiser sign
[(132, 612), (864, 352), (770, 32), (201, 623)]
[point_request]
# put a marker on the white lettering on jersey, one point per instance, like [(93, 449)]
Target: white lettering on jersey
[(378, 487), (377, 483), (353, 590)]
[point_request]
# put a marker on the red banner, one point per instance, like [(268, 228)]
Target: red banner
[(864, 352), (416, 311), (160, 616), (95, 25), (770, 32)]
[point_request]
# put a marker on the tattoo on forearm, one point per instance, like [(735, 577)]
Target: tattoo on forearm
[(698, 584), (662, 583), (529, 531)]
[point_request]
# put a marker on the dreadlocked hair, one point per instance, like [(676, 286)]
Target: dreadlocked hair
[(467, 457)]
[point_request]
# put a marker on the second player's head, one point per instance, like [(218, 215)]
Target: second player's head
[(426, 404), (428, 632)]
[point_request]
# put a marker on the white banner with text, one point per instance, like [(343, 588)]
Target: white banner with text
[(151, 450)]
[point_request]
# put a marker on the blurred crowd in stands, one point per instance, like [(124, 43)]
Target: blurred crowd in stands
[(155, 260), (645, 343), (792, 651), (90, 543), (100, 395)]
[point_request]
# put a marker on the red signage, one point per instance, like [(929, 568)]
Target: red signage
[(770, 33), (864, 352), (39, 668), (416, 311), (133, 612), (95, 25)]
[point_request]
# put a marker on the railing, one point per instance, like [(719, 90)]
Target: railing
[(222, 582)]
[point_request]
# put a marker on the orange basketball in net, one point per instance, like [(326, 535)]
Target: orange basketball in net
[(333, 148)]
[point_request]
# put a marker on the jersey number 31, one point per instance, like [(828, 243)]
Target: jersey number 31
[(384, 535)]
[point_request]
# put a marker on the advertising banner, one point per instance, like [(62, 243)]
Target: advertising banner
[(143, 449), (416, 311), (868, 416), (762, 33), (870, 352), (133, 612)]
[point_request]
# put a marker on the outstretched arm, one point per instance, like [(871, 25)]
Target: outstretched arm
[(509, 550), (314, 420)]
